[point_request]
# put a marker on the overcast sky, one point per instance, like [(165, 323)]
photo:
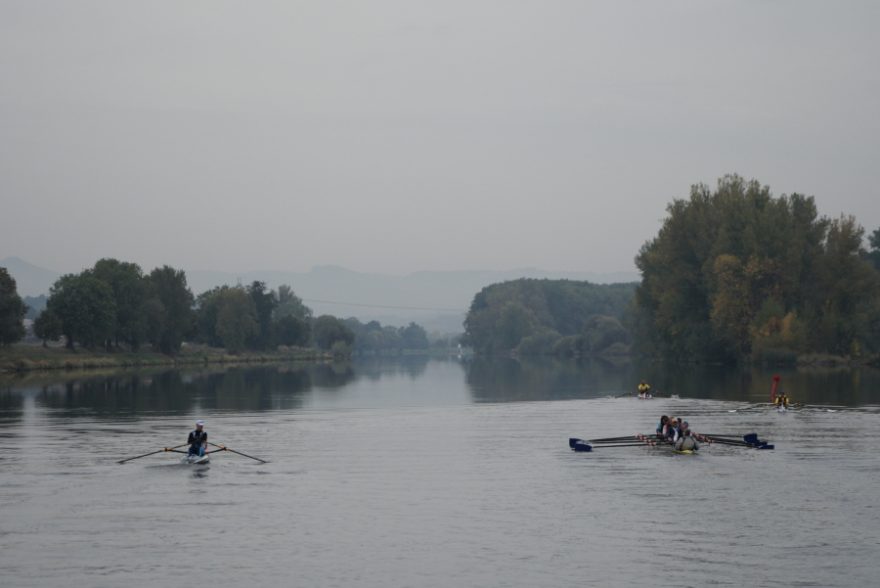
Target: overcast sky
[(401, 136)]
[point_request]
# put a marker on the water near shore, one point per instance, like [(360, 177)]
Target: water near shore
[(435, 473)]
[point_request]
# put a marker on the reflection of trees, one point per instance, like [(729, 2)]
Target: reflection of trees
[(375, 368), (11, 405), (508, 379), (179, 391)]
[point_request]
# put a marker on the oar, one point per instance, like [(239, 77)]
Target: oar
[(154, 452), (613, 439), (224, 448), (752, 445)]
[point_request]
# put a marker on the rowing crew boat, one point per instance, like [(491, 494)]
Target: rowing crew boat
[(749, 441)]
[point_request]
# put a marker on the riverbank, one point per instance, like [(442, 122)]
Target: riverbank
[(25, 358)]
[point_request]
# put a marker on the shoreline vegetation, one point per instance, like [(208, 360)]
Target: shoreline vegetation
[(30, 358), (734, 276)]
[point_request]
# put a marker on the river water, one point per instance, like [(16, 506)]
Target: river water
[(436, 473)]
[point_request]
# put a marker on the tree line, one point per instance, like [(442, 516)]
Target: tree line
[(115, 305), (544, 317)]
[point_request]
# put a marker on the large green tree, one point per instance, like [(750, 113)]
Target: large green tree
[(289, 304), (169, 309), (265, 302), (12, 310), (129, 294), (328, 330), (236, 319), (85, 307), (736, 270), (47, 326)]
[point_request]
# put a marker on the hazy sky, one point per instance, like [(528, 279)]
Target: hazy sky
[(398, 136)]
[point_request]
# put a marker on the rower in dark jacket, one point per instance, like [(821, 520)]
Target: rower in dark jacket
[(661, 427), (198, 440)]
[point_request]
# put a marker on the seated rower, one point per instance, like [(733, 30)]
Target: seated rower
[(198, 440), (781, 400), (661, 427), (644, 390), (687, 442), (673, 432)]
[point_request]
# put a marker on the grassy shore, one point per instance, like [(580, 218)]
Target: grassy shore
[(23, 358)]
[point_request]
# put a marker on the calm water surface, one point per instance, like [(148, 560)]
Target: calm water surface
[(436, 473)]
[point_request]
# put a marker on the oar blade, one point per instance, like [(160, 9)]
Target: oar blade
[(579, 445)]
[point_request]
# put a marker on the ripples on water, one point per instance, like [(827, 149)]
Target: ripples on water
[(400, 479)]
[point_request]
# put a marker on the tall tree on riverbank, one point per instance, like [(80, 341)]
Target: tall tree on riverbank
[(264, 303), (736, 270), (85, 307), (129, 289), (169, 309), (237, 321), (12, 310)]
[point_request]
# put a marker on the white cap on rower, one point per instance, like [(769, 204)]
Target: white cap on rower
[(200, 422)]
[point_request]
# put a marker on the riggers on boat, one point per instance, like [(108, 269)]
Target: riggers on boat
[(193, 459)]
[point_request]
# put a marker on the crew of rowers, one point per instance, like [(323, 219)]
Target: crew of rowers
[(676, 431)]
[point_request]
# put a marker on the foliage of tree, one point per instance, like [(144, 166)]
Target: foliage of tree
[(236, 319), (291, 331), (169, 309), (85, 307), (327, 330), (47, 327), (874, 253), (414, 336), (537, 317), (207, 306), (736, 271), (289, 304), (374, 338), (12, 310), (265, 302), (129, 289)]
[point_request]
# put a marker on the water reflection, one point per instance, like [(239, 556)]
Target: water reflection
[(407, 381), (510, 380), (176, 392)]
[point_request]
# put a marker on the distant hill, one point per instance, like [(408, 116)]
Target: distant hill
[(438, 300), (30, 279)]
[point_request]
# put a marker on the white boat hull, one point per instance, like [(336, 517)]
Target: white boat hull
[(196, 460)]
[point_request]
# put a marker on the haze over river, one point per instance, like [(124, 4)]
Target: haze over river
[(436, 473)]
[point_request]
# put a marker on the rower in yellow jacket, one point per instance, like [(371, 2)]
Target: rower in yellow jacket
[(644, 389)]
